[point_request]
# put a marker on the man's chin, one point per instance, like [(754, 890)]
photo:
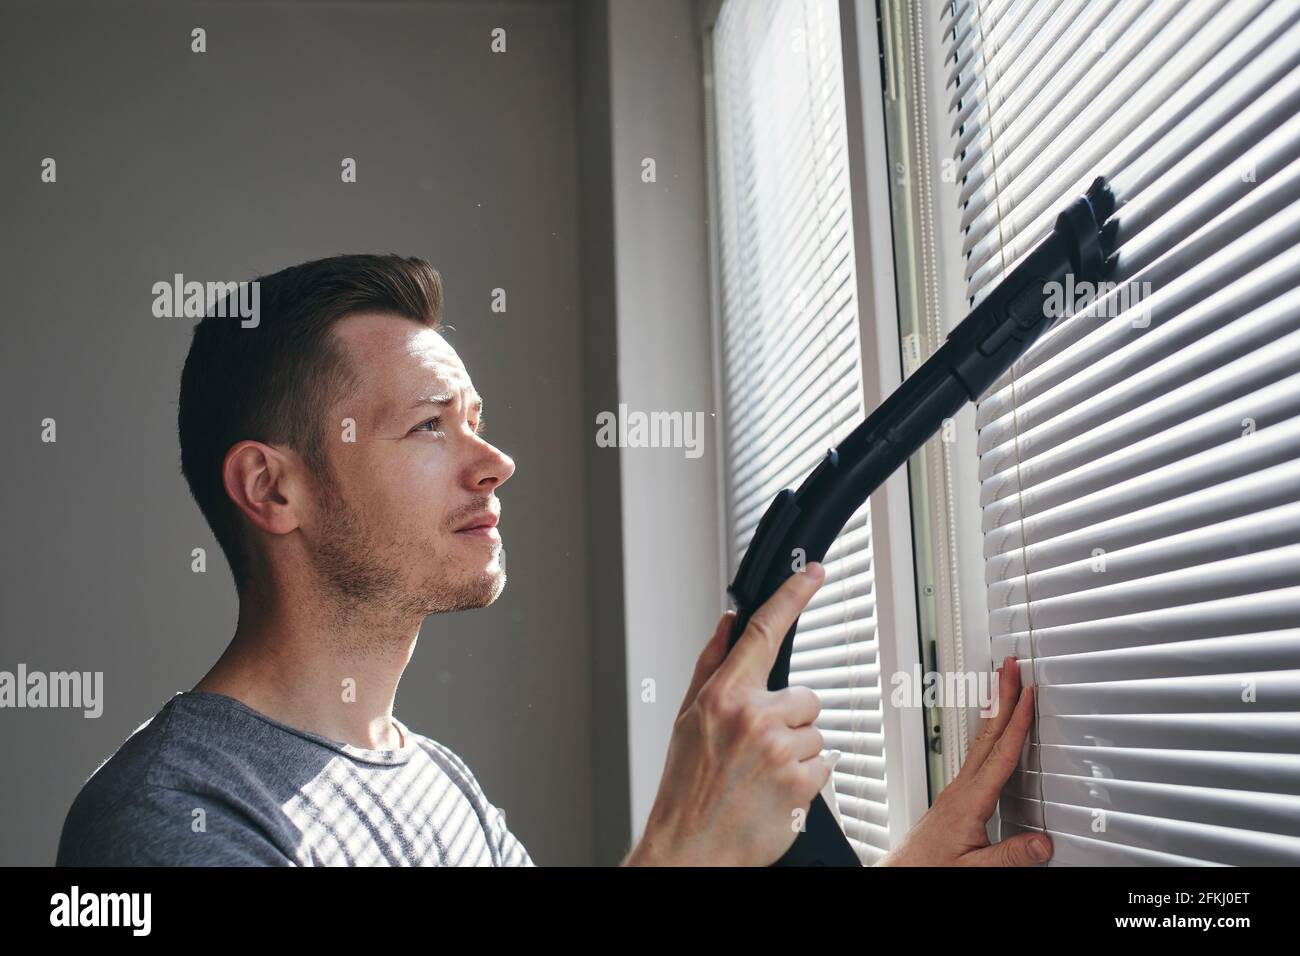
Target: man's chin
[(471, 592), (495, 583)]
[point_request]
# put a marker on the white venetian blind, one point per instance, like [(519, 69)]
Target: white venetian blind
[(1140, 466), (791, 364)]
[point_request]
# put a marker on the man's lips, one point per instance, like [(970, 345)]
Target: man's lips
[(484, 526), (481, 531)]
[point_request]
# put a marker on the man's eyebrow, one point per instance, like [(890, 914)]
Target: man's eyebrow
[(449, 398), (445, 399)]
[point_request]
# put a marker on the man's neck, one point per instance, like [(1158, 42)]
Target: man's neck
[(307, 668)]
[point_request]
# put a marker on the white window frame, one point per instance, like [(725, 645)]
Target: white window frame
[(917, 79)]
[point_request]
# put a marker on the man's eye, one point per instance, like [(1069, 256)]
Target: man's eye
[(430, 426)]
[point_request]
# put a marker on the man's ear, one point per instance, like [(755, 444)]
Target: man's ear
[(262, 482)]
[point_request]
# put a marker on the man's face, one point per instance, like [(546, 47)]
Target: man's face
[(388, 533)]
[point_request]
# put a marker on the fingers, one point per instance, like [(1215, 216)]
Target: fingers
[(806, 742), (1024, 849), (992, 776), (797, 705), (752, 658), (818, 768), (713, 655), (991, 728)]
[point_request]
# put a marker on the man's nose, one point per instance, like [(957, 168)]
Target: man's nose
[(496, 469)]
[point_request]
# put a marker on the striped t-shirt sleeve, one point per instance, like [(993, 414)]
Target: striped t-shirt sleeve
[(507, 849)]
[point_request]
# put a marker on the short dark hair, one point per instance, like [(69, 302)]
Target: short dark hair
[(272, 381)]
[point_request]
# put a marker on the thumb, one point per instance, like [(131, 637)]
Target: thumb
[(709, 660), (1026, 849), (753, 655)]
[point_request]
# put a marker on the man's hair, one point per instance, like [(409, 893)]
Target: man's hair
[(275, 381)]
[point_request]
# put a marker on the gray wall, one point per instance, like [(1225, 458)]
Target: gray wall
[(225, 165)]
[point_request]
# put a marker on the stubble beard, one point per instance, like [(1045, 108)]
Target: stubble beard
[(365, 579)]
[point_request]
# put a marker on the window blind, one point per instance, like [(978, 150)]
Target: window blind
[(791, 364), (1140, 465)]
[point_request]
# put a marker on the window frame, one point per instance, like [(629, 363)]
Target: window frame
[(946, 483)]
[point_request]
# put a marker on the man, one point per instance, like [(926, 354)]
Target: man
[(335, 447)]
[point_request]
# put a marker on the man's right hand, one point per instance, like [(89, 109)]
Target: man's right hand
[(744, 763)]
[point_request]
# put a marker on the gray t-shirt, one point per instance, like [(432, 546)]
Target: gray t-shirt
[(209, 781)]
